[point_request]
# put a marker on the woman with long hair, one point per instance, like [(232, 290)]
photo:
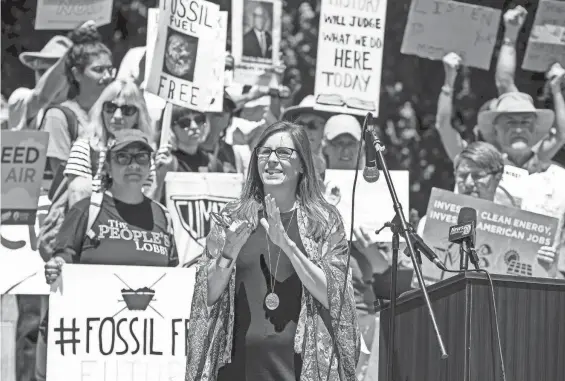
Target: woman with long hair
[(121, 106), (89, 69), (268, 292)]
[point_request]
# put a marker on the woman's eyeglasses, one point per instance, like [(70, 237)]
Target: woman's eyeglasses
[(283, 153), (186, 121), (127, 110), (125, 158)]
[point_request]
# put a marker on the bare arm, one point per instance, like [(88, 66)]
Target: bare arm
[(55, 163), (452, 141), (51, 83), (79, 188), (506, 65), (552, 143)]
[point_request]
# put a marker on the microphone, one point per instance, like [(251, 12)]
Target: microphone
[(421, 246), (464, 233), (370, 172)]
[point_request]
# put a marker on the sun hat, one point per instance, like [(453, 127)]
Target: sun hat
[(515, 103), (51, 52), (305, 106)]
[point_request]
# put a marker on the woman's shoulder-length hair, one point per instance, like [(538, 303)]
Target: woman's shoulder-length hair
[(96, 131), (320, 214)]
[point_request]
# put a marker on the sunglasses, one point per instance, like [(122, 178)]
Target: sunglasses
[(283, 153), (186, 121), (125, 158), (221, 220), (127, 110)]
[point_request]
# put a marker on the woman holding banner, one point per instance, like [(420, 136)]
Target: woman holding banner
[(121, 106), (269, 287)]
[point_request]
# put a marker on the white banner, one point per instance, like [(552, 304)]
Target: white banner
[(69, 14), (216, 85), (183, 58), (190, 199), (373, 204), (256, 35), (350, 56), (118, 323)]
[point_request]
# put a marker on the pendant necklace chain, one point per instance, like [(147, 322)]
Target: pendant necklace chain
[(272, 299)]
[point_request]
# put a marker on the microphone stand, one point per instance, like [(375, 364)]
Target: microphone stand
[(396, 230)]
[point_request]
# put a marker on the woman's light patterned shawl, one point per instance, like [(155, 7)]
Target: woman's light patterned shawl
[(211, 329)]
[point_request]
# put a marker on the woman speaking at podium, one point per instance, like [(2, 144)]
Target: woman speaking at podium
[(269, 285)]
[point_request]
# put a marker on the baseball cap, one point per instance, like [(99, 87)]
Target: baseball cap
[(124, 138), (342, 124)]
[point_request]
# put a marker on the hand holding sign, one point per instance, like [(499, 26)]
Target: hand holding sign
[(53, 269), (514, 20), (451, 63)]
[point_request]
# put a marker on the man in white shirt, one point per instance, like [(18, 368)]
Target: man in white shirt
[(26, 105)]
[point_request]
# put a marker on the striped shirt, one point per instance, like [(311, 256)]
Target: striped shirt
[(81, 164)]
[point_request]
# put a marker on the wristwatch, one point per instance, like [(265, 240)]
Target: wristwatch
[(224, 262)]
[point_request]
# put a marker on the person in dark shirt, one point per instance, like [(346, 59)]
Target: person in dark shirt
[(190, 130), (130, 228)]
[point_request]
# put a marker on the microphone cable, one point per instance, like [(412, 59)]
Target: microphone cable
[(495, 313), (347, 268)]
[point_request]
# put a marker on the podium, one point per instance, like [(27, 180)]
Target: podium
[(531, 318)]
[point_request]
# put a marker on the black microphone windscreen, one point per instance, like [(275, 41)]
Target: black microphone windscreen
[(466, 215)]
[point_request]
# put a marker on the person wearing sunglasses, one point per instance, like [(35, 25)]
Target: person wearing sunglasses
[(268, 290), (120, 107), (190, 130)]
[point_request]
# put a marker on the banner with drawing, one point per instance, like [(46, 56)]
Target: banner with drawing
[(23, 163), (119, 323), (350, 56), (373, 205), (68, 14), (191, 197), (546, 44), (184, 53), (256, 36), (507, 241), (438, 27)]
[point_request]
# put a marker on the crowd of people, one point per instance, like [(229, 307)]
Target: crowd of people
[(107, 165)]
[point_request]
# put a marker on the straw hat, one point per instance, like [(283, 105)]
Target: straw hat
[(515, 103), (51, 52)]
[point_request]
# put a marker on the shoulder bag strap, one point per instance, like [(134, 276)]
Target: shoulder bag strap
[(93, 212)]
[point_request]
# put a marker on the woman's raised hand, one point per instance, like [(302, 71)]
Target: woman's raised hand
[(236, 236), (273, 223)]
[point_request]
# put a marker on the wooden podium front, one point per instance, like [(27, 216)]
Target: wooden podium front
[(531, 318)]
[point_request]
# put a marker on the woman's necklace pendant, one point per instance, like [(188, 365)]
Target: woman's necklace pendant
[(272, 301)]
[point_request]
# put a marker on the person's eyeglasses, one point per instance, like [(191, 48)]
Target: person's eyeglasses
[(476, 176), (127, 110), (186, 121), (283, 153), (125, 158)]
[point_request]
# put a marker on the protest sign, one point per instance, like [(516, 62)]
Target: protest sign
[(151, 39), (8, 326), (438, 27), (215, 87), (546, 44), (68, 14), (191, 197), (373, 204), (350, 56), (21, 265), (183, 56), (23, 163), (118, 323), (507, 240), (256, 36)]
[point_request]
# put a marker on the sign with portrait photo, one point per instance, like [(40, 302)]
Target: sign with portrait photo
[(256, 35), (191, 197), (508, 239), (350, 56), (183, 57), (118, 323)]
